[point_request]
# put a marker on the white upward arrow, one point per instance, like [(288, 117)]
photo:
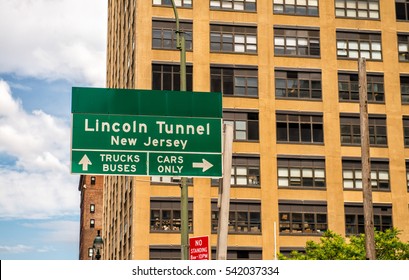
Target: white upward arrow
[(85, 162), (204, 164)]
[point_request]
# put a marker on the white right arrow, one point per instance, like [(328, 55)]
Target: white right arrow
[(85, 162), (204, 164)]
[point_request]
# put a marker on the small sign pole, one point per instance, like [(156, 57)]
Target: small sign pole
[(222, 230)]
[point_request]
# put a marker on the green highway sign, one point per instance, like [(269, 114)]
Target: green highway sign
[(146, 132), (196, 165), (146, 164), (142, 102), (101, 162)]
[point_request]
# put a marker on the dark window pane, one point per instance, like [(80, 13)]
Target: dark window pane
[(176, 82), (253, 131), (316, 84), (304, 84), (281, 132), (156, 43), (305, 133), (250, 6), (407, 10), (280, 83), (308, 182), (313, 11), (252, 82), (216, 84), (167, 81), (252, 91), (321, 218), (318, 133), (316, 94), (156, 81), (215, 46), (301, 10), (227, 84), (309, 218), (189, 84), (168, 68), (294, 132), (240, 91)]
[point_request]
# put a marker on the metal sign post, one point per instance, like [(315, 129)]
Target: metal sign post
[(224, 195)]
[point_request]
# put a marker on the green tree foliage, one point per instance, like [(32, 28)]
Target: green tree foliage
[(333, 246)]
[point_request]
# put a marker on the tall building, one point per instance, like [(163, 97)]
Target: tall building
[(91, 188), (289, 77)]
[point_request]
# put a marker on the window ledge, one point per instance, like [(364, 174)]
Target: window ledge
[(296, 15), (215, 9), (356, 59), (300, 143), (301, 234), (298, 56), (373, 190), (303, 188)]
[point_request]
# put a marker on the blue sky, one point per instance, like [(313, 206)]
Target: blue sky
[(46, 48)]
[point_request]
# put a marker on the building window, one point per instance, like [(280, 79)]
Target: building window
[(170, 180), (301, 173), (296, 42), (287, 251), (165, 215), (351, 133), (296, 7), (92, 223), (407, 174), (238, 5), (354, 45), (368, 9), (244, 217), (93, 180), (245, 171), (163, 253), (404, 89), (403, 47), (234, 39), (245, 125), (167, 77), (304, 218), (90, 252), (402, 9), (297, 84), (237, 253), (178, 3), (234, 81), (164, 35), (297, 128), (348, 87), (352, 175), (354, 218), (406, 130), (92, 208)]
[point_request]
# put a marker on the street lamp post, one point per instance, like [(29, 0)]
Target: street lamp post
[(180, 44), (98, 243)]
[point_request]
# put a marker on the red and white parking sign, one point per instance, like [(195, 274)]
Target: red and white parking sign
[(199, 248)]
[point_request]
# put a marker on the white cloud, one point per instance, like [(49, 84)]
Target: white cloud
[(39, 185), (57, 231), (45, 40), (24, 249), (54, 39), (17, 249)]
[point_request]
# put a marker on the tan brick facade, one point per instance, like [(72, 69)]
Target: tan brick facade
[(130, 204)]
